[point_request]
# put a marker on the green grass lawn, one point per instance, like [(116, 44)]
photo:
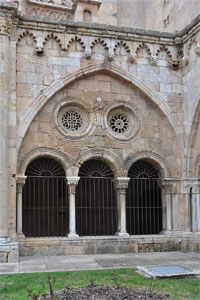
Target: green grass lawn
[(12, 286)]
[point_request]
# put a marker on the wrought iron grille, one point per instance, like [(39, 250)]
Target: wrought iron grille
[(45, 200), (143, 201), (96, 207)]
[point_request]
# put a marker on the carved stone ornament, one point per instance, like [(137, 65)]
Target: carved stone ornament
[(72, 119), (121, 121), (153, 60), (5, 26), (122, 182), (175, 64)]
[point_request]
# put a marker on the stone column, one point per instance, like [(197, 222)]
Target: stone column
[(72, 182), (20, 184), (196, 208), (167, 206), (6, 20), (121, 184)]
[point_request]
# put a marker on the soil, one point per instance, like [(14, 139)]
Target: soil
[(102, 292)]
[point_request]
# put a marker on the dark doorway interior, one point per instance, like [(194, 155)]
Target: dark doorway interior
[(45, 200), (143, 201), (96, 207)]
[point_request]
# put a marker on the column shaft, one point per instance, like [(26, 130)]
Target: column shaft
[(72, 183), (4, 98)]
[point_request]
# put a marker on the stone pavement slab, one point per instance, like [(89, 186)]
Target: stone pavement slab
[(40, 263)]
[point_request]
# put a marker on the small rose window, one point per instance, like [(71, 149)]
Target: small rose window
[(119, 123), (72, 120)]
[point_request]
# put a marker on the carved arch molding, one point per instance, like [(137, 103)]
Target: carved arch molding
[(59, 84), (119, 167)]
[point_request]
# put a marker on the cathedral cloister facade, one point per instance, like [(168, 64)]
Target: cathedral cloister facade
[(99, 128)]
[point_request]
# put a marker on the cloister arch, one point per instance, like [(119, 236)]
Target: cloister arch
[(59, 156), (57, 85), (155, 159)]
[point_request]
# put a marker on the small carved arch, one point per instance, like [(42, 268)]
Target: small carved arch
[(87, 16), (124, 45), (55, 37), (164, 49), (108, 156), (154, 158), (145, 47), (59, 156), (99, 41), (26, 33), (78, 40)]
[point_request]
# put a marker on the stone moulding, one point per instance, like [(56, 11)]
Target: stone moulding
[(57, 85), (109, 156), (160, 163), (58, 155), (134, 120), (86, 113)]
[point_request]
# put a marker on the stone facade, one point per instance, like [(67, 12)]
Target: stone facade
[(77, 54)]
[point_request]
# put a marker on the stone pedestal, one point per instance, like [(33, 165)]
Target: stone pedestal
[(72, 182), (121, 184)]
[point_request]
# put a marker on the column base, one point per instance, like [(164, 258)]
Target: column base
[(20, 237), (4, 239), (122, 234), (9, 251), (73, 236)]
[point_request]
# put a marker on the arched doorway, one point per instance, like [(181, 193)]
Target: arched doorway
[(45, 199), (96, 207), (143, 201)]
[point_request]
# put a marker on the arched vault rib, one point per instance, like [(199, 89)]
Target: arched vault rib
[(57, 85)]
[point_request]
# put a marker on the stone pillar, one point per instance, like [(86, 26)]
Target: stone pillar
[(167, 206), (20, 184), (121, 184), (72, 182), (195, 208), (6, 20)]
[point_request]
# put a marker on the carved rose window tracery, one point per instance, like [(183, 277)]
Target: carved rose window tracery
[(72, 120), (119, 123)]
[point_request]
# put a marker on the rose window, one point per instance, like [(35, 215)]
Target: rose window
[(72, 120), (119, 123)]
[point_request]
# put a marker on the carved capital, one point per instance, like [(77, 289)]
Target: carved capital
[(7, 15), (72, 182), (5, 26), (20, 180), (121, 182)]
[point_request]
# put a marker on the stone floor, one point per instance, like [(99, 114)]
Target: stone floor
[(39, 263)]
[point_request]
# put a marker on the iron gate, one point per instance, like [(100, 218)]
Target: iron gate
[(45, 200), (143, 201), (96, 207)]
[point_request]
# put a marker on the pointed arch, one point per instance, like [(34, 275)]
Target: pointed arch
[(190, 134), (59, 84)]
